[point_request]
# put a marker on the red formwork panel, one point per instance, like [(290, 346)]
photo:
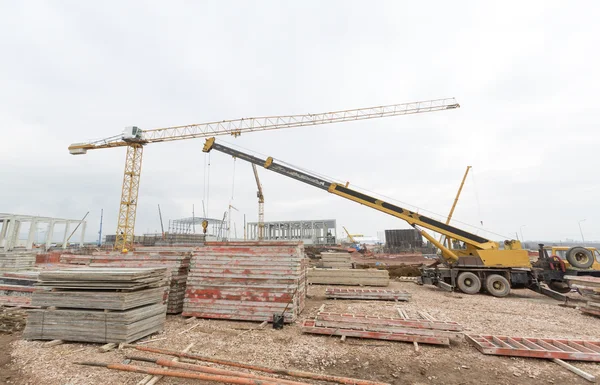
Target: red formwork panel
[(376, 294), (400, 322), (311, 326), (564, 349)]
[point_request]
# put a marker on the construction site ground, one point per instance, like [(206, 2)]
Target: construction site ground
[(523, 313)]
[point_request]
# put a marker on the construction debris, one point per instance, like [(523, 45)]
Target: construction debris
[(393, 329), (349, 277), (367, 294), (589, 288), (12, 319), (84, 305), (247, 281), (341, 260), (564, 349)]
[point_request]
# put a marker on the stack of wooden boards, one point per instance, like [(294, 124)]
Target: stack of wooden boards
[(339, 260), (349, 277), (175, 260), (98, 305), (589, 287), (420, 328), (247, 281), (16, 260)]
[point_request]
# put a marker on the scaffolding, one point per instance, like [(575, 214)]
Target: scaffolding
[(316, 232)]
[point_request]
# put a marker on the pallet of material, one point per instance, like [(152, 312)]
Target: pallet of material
[(393, 329), (246, 281), (175, 260), (349, 277), (336, 260), (367, 294), (16, 260), (102, 278), (94, 325), (92, 299), (589, 288)]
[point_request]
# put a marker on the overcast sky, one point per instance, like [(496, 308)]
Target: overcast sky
[(524, 73)]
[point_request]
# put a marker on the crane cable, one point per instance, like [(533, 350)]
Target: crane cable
[(206, 189)]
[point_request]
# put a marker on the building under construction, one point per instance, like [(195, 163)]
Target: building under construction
[(312, 232)]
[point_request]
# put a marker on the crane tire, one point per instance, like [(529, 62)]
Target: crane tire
[(468, 283), (497, 285), (580, 257)]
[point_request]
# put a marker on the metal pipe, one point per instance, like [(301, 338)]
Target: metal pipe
[(292, 373), (210, 370), (174, 373)]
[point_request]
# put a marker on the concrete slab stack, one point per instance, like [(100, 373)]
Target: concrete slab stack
[(175, 260), (247, 281), (17, 260), (349, 277), (98, 305), (589, 287), (17, 288), (339, 260)]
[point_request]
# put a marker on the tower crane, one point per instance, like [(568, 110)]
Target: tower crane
[(134, 138), (261, 205)]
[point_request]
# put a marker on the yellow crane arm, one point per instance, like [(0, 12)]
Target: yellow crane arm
[(414, 219), (238, 126), (260, 196), (349, 235)]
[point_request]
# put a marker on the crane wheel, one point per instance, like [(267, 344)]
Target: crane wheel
[(497, 285), (468, 283), (580, 257)]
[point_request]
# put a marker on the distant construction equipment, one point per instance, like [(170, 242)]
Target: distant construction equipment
[(261, 205), (135, 138)]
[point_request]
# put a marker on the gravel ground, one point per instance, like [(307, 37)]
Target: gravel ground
[(523, 313)]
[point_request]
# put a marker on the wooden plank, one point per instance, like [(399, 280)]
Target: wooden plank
[(575, 370)]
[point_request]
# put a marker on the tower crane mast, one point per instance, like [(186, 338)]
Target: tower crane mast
[(135, 138)]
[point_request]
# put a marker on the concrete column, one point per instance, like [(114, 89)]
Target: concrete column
[(32, 229), (13, 235), (83, 226), (67, 225), (5, 223), (50, 233)]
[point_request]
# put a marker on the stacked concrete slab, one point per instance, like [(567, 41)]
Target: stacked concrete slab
[(349, 277), (17, 288), (589, 287), (247, 281), (17, 260), (98, 305), (175, 260), (339, 260)]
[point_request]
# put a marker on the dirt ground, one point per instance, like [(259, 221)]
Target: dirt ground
[(523, 313)]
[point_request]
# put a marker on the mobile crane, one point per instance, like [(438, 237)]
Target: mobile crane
[(478, 263)]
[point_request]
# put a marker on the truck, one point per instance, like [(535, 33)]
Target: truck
[(467, 261)]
